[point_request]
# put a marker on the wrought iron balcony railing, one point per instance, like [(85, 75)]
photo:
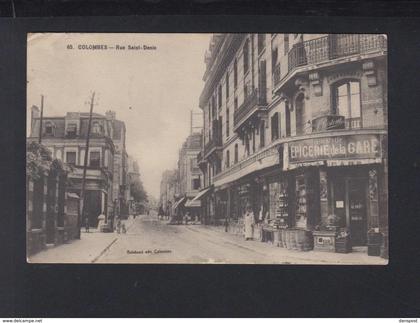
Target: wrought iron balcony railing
[(327, 48), (253, 102)]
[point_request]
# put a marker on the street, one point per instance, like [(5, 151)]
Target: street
[(149, 240)]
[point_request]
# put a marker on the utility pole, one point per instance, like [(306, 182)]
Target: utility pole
[(40, 120), (82, 194)]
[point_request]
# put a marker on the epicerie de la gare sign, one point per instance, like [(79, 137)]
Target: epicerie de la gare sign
[(350, 146)]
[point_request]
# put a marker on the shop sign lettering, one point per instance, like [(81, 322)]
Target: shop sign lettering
[(339, 147)]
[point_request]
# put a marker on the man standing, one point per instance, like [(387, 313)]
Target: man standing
[(249, 222)]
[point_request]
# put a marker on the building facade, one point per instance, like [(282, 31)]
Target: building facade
[(189, 173), (169, 190), (295, 126), (65, 137)]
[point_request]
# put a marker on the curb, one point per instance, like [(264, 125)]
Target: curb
[(103, 251)]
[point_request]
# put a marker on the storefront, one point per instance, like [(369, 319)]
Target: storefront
[(337, 183)]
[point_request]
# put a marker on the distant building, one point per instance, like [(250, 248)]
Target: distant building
[(169, 189), (133, 174), (65, 136)]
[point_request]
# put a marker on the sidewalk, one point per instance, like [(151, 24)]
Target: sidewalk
[(357, 257), (86, 250)]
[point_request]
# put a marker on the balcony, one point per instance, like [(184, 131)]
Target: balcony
[(214, 144), (254, 102), (329, 48)]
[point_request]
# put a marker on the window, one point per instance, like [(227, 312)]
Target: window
[(235, 104), (253, 140), (275, 126), (236, 154), (261, 42), (228, 159), (227, 123), (49, 129), (247, 150), (196, 183), (71, 130), (95, 159), (71, 157), (96, 127), (227, 85), (235, 74), (347, 102), (246, 56), (274, 55), (287, 119), (286, 44), (262, 134), (220, 96), (245, 90), (213, 106)]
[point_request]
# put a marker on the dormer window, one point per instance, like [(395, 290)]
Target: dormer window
[(96, 128), (49, 129), (71, 130)]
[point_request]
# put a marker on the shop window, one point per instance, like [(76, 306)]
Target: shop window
[(71, 157), (95, 159), (246, 56), (236, 154), (346, 103), (301, 202), (275, 126), (71, 130)]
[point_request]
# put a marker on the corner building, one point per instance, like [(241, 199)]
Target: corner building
[(296, 126)]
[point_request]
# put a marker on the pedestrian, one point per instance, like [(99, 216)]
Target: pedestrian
[(249, 222), (123, 228), (187, 216), (86, 224), (119, 226), (161, 213)]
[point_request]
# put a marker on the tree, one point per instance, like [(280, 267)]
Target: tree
[(137, 190)]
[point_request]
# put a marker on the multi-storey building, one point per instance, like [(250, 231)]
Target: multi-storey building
[(133, 173), (189, 172), (169, 190), (120, 186), (295, 125), (65, 136)]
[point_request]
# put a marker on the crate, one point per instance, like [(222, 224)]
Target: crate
[(324, 241), (343, 245)]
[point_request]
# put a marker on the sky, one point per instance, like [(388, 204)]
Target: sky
[(153, 91)]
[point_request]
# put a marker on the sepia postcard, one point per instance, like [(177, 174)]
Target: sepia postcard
[(207, 148)]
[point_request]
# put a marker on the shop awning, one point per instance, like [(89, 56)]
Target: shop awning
[(73, 196), (178, 203), (193, 203), (201, 194)]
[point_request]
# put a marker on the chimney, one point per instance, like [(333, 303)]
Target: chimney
[(35, 113), (110, 115)]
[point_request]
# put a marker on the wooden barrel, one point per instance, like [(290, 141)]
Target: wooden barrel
[(292, 241), (279, 238), (283, 237), (286, 239)]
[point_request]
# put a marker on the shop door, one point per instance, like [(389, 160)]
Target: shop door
[(357, 211)]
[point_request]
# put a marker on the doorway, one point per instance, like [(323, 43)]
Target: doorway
[(350, 207), (356, 210)]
